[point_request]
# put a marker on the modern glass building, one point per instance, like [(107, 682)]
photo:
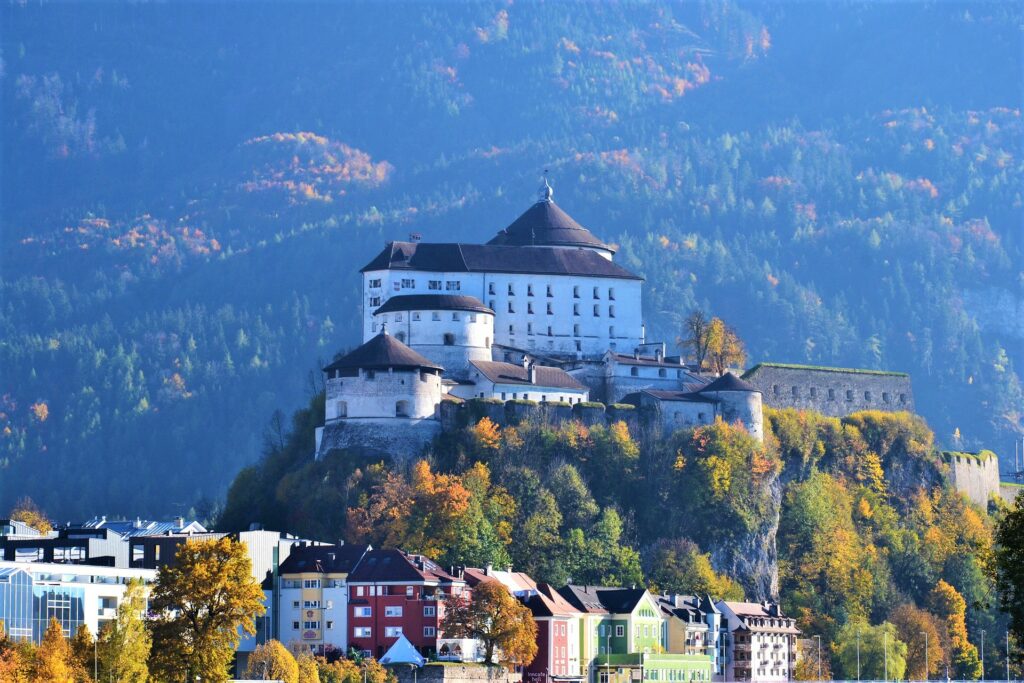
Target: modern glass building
[(31, 594)]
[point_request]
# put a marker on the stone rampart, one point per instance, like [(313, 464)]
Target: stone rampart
[(398, 438), (1009, 491), (976, 475), (831, 391)]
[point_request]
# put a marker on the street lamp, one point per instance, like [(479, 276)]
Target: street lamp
[(925, 634), (982, 654), (885, 641), (858, 654), (1007, 654), (819, 656)]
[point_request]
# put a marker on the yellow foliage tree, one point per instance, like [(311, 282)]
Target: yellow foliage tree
[(54, 663), (949, 605), (498, 620), (273, 661), (487, 434), (308, 670), (201, 605), (26, 510)]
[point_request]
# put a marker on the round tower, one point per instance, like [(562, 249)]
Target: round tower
[(737, 400), (382, 380), (450, 330)]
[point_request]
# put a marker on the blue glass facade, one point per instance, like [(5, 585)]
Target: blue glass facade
[(16, 603), (26, 607)]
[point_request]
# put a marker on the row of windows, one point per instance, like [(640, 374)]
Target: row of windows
[(813, 393), (526, 396), (436, 316), (602, 631), (662, 372), (675, 675), (392, 611), (550, 309), (551, 330), (408, 591), (511, 290), (311, 625), (390, 632)]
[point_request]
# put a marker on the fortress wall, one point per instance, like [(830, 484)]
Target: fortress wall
[(1009, 491), (975, 475), (831, 391)]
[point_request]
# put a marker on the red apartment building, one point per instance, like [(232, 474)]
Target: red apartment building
[(392, 593)]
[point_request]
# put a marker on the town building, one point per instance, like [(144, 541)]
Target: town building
[(525, 381), (623, 638), (312, 596), (32, 593), (393, 593), (693, 625), (762, 642)]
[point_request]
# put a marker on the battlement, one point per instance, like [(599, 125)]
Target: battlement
[(974, 474)]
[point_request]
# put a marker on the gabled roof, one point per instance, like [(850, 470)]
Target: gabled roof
[(548, 602), (515, 582), (601, 599), (323, 559), (143, 527), (511, 373), (490, 258), (391, 564), (730, 382), (383, 351), (546, 224), (433, 302), (665, 362)]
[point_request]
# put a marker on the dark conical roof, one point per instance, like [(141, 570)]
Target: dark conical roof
[(383, 351), (545, 225), (433, 302), (729, 382)]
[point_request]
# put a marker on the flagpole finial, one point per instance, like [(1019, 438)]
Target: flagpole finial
[(546, 192)]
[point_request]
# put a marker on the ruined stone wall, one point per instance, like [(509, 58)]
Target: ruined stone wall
[(974, 474), (831, 391)]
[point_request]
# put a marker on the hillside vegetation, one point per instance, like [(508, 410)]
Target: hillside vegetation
[(189, 192), (851, 521)]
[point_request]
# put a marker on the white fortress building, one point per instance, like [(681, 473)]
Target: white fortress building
[(541, 313)]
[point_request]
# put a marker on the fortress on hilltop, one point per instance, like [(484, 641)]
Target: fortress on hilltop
[(540, 322)]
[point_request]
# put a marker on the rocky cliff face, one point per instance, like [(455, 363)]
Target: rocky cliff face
[(753, 559)]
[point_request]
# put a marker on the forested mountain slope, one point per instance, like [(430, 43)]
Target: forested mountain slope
[(188, 192)]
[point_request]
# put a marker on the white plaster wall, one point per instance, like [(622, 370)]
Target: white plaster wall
[(685, 415), (572, 319), (621, 381), (743, 406), (978, 480), (376, 398), (425, 330)]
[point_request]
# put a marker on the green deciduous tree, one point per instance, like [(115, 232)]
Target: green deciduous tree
[(1009, 567), (883, 656), (125, 642)]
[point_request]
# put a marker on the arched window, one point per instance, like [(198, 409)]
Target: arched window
[(402, 409)]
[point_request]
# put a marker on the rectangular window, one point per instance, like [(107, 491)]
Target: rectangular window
[(359, 591), (295, 604), (611, 293), (550, 293), (511, 290), (597, 294), (551, 310), (529, 307), (429, 611), (429, 631), (416, 315), (408, 283), (490, 288), (550, 333), (434, 285), (575, 309), (597, 311), (311, 583), (375, 301), (529, 328), (455, 316), (364, 612), (620, 631), (311, 625), (330, 624), (453, 286), (611, 311), (392, 631), (375, 283), (576, 330), (362, 632), (311, 604), (408, 591), (392, 611), (529, 290), (295, 626), (511, 308)]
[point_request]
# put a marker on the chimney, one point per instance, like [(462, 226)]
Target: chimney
[(138, 523), (488, 569), (531, 371), (179, 522), (659, 352), (526, 361), (636, 353)]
